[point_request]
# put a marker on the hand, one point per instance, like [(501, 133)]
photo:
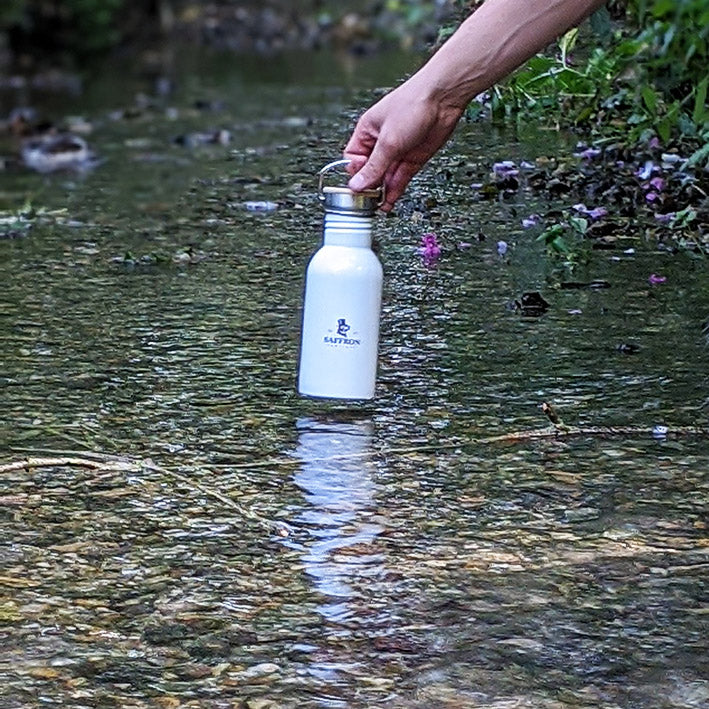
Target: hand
[(395, 138)]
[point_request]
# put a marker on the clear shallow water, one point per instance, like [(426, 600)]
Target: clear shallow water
[(303, 553)]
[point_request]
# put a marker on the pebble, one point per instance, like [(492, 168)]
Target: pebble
[(581, 514), (260, 206)]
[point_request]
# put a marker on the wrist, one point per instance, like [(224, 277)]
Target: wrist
[(442, 88), (456, 73)]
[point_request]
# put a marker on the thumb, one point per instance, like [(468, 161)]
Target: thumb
[(373, 171)]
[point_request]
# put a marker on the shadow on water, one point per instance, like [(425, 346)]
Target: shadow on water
[(268, 551)]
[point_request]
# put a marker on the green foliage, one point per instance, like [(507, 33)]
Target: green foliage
[(601, 25), (414, 12), (94, 26), (78, 27), (11, 12), (646, 77), (564, 241), (673, 40)]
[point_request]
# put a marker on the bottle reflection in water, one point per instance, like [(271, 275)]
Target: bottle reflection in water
[(336, 479)]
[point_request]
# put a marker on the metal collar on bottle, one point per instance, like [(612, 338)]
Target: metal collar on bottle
[(342, 200)]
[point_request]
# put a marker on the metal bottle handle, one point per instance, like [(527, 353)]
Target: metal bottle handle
[(341, 163)]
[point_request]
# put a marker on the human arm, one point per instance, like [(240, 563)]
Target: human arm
[(398, 135)]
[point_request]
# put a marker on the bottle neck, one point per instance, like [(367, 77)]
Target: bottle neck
[(348, 230)]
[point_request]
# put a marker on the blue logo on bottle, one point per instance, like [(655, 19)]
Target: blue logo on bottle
[(342, 329)]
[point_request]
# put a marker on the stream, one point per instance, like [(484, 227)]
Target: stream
[(266, 551)]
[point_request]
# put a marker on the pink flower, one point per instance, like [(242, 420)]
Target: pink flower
[(655, 280)]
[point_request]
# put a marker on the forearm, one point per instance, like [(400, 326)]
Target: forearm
[(496, 39), (397, 136)]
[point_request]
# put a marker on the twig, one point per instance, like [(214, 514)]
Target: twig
[(281, 527), (103, 461), (91, 455), (554, 431), (90, 459), (34, 462)]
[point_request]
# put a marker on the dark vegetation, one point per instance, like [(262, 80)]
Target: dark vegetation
[(641, 70)]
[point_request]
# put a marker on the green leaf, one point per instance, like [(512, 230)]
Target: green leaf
[(649, 99), (701, 113), (578, 224), (684, 218), (584, 114), (664, 129), (567, 43), (550, 234), (699, 156)]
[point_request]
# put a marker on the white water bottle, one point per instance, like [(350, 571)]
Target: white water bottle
[(343, 297)]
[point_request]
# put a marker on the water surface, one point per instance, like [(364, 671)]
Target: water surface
[(280, 552)]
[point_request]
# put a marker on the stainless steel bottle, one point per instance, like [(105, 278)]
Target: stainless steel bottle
[(343, 294)]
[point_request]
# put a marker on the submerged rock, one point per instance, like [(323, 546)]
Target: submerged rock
[(596, 284), (192, 140), (260, 206), (51, 153), (531, 304)]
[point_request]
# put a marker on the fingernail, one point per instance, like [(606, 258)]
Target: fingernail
[(356, 183)]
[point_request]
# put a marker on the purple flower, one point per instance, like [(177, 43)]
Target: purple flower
[(506, 168), (464, 245), (646, 171), (654, 143), (655, 280), (651, 197), (665, 218), (595, 213), (671, 159), (530, 221), (476, 185), (502, 247), (657, 183), (588, 153), (430, 250)]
